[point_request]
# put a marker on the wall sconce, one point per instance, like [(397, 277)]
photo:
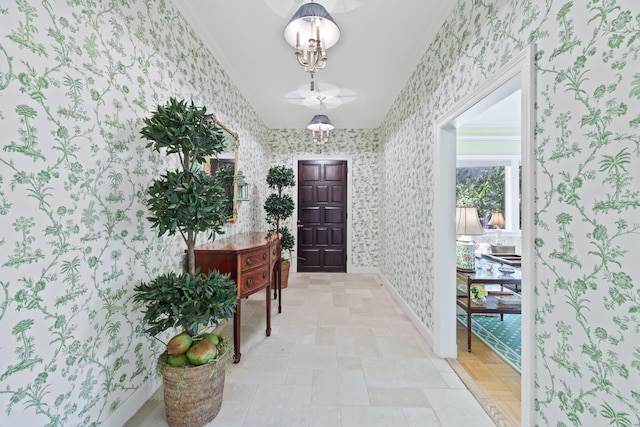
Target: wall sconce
[(311, 31), (467, 225), (243, 188), (497, 221)]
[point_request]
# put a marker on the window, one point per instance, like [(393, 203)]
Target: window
[(492, 183)]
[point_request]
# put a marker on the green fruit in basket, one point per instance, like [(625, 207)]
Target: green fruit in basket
[(179, 344), (212, 337), (202, 352), (178, 361)]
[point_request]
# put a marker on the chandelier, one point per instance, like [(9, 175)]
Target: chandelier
[(320, 125), (311, 31)]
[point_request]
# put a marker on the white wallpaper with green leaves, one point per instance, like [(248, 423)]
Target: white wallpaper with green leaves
[(76, 77), (587, 197)]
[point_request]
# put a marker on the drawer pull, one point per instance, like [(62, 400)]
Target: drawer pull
[(264, 274), (264, 255), (249, 261), (249, 281)]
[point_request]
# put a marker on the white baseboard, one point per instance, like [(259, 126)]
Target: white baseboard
[(364, 270), (129, 407), (415, 320)]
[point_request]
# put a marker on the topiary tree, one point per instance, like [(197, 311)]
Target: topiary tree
[(279, 206), (186, 201)]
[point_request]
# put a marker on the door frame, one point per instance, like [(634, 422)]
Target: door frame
[(349, 160), (520, 70)]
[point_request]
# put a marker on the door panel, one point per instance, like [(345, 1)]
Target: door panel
[(310, 215), (322, 215), (333, 215), (322, 237)]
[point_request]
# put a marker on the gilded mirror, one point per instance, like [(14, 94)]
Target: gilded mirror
[(225, 166)]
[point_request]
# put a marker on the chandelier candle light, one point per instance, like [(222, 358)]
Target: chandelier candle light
[(467, 225), (311, 31)]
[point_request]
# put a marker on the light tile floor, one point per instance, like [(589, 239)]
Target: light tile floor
[(341, 353)]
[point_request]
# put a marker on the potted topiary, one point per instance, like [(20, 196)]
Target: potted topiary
[(188, 201), (279, 208)]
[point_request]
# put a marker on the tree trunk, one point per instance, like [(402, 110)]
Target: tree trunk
[(191, 258)]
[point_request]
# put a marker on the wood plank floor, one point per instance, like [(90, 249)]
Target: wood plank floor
[(499, 382)]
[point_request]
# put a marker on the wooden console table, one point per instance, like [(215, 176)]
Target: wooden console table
[(492, 305), (253, 261)]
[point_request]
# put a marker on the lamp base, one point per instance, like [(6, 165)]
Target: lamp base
[(503, 249), (465, 256)]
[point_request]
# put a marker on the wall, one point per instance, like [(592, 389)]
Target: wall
[(364, 148), (76, 78), (587, 149)]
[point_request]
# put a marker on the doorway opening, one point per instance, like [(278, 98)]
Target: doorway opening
[(322, 202), (518, 74)]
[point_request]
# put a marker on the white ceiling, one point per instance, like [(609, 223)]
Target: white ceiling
[(505, 112), (381, 43)]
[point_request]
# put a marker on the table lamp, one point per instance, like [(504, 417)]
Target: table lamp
[(467, 225), (497, 221)]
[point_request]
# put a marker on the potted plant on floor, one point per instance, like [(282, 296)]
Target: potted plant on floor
[(188, 201), (279, 207)]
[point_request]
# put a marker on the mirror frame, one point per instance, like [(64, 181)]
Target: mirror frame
[(207, 166)]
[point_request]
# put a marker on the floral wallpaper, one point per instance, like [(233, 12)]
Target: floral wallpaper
[(587, 157), (76, 77)]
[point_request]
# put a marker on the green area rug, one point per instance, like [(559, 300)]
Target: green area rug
[(503, 337)]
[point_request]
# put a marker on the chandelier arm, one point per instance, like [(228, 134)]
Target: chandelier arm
[(302, 61)]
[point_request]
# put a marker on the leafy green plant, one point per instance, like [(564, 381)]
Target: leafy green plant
[(185, 302), (186, 201), (482, 187), (279, 206), (225, 176)]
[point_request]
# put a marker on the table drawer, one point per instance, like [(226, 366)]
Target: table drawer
[(254, 259), (254, 280)]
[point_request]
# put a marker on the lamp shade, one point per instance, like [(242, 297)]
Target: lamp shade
[(311, 21), (467, 221), (497, 219), (320, 123)]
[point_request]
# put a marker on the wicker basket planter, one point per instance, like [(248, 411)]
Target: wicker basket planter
[(192, 395), (285, 273)]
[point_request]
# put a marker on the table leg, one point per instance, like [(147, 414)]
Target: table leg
[(273, 274), (469, 332), (279, 285), (268, 301), (236, 334)]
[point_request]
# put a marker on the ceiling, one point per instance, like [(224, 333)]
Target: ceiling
[(381, 43), (505, 112)]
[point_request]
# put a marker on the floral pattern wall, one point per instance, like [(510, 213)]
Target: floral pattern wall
[(587, 203), (76, 77)]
